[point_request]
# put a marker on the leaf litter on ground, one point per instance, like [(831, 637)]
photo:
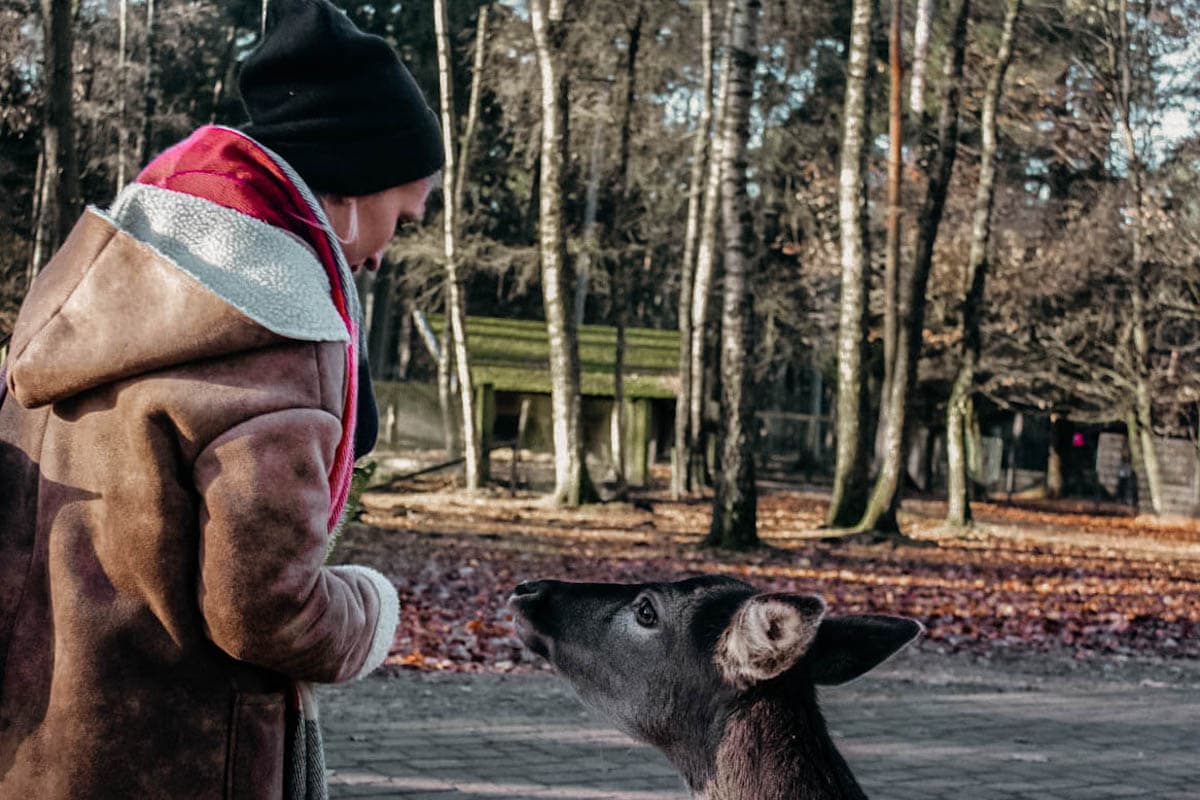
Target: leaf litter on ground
[(1026, 581)]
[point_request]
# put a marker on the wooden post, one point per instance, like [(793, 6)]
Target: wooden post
[(522, 424), (637, 432), (485, 422)]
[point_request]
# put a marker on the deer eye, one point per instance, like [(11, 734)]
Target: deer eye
[(643, 609)]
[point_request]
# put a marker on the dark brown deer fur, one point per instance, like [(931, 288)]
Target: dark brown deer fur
[(720, 677)]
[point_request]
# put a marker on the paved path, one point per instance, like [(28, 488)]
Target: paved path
[(917, 730)]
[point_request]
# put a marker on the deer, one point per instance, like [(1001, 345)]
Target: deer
[(717, 675)]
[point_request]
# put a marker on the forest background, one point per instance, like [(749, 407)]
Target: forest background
[(937, 204)]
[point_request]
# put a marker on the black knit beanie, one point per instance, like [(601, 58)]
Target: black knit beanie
[(337, 103)]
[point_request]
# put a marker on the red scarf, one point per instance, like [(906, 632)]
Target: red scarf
[(228, 168)]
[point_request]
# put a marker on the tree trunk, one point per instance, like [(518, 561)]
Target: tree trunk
[(60, 179), (880, 515), (1153, 471), (1054, 460), (468, 135), (383, 320), (122, 89), (550, 28), (735, 501), (681, 475), (920, 59), (404, 344), (35, 252), (619, 277), (958, 506), (455, 304), (445, 395), (894, 164), (705, 261), (1133, 435), (150, 89), (591, 200), (850, 469), (1143, 403), (958, 486)]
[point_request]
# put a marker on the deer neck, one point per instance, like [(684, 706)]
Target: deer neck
[(777, 747)]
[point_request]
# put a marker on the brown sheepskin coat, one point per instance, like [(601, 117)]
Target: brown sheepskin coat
[(165, 456)]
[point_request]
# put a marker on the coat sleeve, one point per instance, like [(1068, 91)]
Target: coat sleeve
[(266, 596)]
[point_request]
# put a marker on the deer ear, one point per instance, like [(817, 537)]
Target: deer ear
[(767, 636), (849, 647)]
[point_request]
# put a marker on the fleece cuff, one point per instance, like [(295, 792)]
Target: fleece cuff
[(389, 616)]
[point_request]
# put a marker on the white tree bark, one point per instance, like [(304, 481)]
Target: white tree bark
[(850, 467), (454, 299), (880, 514), (734, 518), (961, 394), (550, 29), (706, 249), (683, 474), (920, 61)]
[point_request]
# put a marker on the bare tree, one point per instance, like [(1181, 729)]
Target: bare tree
[(682, 474), (850, 469), (455, 303), (894, 165), (706, 257), (958, 409), (880, 514), (619, 276), (587, 252), (1119, 43), (551, 24), (468, 134), (735, 502)]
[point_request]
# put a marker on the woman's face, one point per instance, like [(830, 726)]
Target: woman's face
[(378, 216)]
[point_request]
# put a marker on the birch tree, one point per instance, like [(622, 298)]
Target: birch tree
[(850, 468), (734, 522), (619, 276), (880, 514), (706, 259), (920, 61), (685, 434), (478, 65), (551, 24), (455, 303), (958, 410), (1120, 44), (894, 165)]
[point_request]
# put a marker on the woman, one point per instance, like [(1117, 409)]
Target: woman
[(176, 446)]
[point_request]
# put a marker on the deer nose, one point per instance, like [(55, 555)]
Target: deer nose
[(530, 589)]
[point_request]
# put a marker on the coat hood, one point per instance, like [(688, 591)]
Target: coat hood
[(166, 276)]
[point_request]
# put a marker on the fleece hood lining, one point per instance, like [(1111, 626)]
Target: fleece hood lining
[(262, 271)]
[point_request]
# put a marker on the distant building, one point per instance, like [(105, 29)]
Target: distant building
[(510, 366)]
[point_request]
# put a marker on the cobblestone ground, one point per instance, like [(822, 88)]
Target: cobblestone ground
[(920, 729)]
